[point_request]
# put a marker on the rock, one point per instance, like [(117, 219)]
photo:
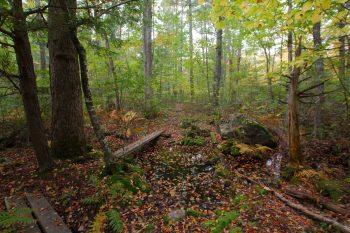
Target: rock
[(176, 215), (246, 130)]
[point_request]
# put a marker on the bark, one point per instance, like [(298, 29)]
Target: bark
[(99, 131), (218, 66), (111, 68), (319, 78), (207, 60), (342, 68), (191, 48), (295, 155), (290, 54), (68, 138), (318, 201), (28, 87), (316, 216), (41, 45), (147, 53)]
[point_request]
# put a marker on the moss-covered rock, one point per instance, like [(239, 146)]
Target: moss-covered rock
[(246, 130), (229, 147)]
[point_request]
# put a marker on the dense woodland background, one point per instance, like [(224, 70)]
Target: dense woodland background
[(66, 65)]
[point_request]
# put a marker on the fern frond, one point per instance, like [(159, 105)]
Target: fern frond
[(115, 221), (99, 222), (14, 217)]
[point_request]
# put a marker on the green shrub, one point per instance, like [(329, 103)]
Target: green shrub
[(17, 216), (221, 170), (193, 213), (331, 188), (196, 141)]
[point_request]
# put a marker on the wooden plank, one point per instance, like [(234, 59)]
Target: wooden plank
[(138, 145), (47, 217), (19, 202)]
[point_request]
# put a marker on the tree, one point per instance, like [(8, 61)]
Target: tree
[(218, 65), (295, 155), (319, 76), (28, 86), (190, 19), (147, 54), (68, 138), (41, 44)]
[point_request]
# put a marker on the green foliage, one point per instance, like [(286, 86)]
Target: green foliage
[(239, 198), (8, 219), (331, 188), (186, 123), (149, 228), (236, 229), (196, 141), (260, 190), (221, 170), (222, 221), (193, 213), (115, 221)]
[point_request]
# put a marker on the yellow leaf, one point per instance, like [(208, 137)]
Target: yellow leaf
[(326, 4), (341, 14), (200, 2), (316, 17), (307, 6)]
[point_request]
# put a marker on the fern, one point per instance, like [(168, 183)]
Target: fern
[(115, 221), (98, 224), (15, 216)]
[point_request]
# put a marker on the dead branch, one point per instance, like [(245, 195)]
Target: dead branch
[(319, 217), (318, 201)]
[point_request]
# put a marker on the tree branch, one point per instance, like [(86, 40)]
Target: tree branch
[(312, 87)]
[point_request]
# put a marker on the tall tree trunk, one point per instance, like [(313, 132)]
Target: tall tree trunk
[(342, 69), (238, 69), (218, 66), (68, 138), (319, 76), (147, 53), (99, 131), (111, 68), (207, 61), (290, 54), (28, 87), (41, 45), (295, 155), (191, 47)]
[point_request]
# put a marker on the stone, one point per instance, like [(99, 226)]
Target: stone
[(246, 130), (176, 215)]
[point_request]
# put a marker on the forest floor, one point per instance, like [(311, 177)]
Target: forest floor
[(183, 181)]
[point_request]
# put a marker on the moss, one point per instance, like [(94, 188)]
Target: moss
[(221, 170)]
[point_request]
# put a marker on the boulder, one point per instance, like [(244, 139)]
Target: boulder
[(176, 215), (246, 130)]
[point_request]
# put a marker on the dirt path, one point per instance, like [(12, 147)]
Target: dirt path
[(184, 178)]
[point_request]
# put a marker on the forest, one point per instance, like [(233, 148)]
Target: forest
[(174, 116)]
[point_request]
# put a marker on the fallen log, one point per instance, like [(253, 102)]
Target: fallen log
[(318, 201), (137, 146), (319, 217)]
